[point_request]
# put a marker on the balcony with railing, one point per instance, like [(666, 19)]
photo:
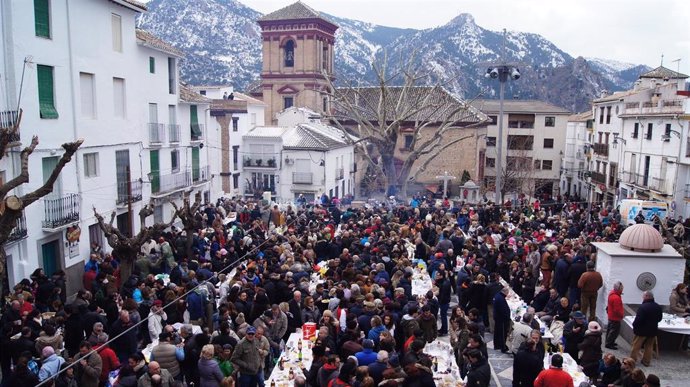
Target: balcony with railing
[(61, 211), (302, 178), (601, 149), (164, 184), (598, 178), (19, 231), (339, 173), (174, 133), (197, 132), (250, 190), (8, 119), (672, 106), (156, 133), (123, 195), (260, 160), (202, 174)]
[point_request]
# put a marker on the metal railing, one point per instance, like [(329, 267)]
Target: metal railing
[(261, 161), (156, 133), (601, 149), (654, 183), (302, 178), (8, 119), (122, 195), (339, 173), (174, 132), (657, 184), (61, 211), (201, 174), (19, 231), (172, 182), (599, 178), (662, 106)]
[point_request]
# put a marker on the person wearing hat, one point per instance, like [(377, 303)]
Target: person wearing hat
[(574, 333), (247, 359), (589, 283), (554, 376), (591, 350), (156, 321)]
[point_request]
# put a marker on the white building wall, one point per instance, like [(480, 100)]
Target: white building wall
[(81, 42)]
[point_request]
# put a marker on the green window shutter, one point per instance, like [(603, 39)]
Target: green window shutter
[(195, 163), (152, 65), (194, 121), (46, 92), (42, 18), (155, 171)]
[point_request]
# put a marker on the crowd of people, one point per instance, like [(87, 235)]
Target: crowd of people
[(246, 287)]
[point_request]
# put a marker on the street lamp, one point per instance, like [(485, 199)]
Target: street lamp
[(501, 72)]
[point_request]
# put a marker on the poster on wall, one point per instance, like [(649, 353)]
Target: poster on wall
[(72, 234)]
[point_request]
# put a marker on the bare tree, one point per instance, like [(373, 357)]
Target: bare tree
[(12, 206), (372, 119), (187, 214), (126, 248)]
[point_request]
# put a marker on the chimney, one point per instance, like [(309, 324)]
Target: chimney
[(603, 93)]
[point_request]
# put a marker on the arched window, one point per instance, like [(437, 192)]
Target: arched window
[(289, 53)]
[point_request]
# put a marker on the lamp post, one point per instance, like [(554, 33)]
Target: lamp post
[(501, 72)]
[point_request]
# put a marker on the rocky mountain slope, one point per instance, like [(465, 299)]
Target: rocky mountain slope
[(222, 44)]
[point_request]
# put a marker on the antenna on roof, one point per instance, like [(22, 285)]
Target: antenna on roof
[(677, 64), (662, 60)]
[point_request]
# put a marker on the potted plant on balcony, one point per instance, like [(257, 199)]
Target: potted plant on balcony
[(259, 162), (272, 162), (247, 162)]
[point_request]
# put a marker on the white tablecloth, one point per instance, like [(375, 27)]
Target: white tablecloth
[(669, 323), (421, 282), (448, 372), (291, 356), (518, 308), (569, 366)]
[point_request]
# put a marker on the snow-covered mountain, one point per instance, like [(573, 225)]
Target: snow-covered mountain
[(221, 40)]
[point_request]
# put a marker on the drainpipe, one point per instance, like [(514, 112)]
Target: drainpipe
[(76, 161)]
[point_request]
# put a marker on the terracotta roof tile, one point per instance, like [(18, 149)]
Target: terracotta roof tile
[(518, 106), (189, 95), (662, 72), (297, 10), (148, 39)]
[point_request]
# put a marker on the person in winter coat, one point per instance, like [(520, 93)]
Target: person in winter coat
[(554, 376), (48, 338), (328, 371), (247, 359), (377, 328), (645, 328), (574, 333), (88, 370), (419, 374), (109, 359), (479, 373), (589, 284), (444, 294), (427, 323), (610, 371), (528, 361), (209, 371), (367, 355), (678, 300), (521, 332), (126, 377), (156, 320), (615, 314), (22, 376), (67, 378), (501, 320), (155, 376), (591, 350), (51, 363)]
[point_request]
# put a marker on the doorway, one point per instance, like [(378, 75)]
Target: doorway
[(50, 253)]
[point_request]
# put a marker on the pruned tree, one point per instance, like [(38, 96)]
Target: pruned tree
[(375, 117), (12, 206), (125, 247), (190, 223)]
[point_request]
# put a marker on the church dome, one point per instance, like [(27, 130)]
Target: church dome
[(641, 237)]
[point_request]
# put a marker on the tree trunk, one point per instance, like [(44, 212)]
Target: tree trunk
[(4, 279)]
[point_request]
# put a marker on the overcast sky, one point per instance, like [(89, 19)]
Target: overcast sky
[(632, 31)]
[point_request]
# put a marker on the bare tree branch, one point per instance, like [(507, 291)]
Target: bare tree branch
[(70, 148)]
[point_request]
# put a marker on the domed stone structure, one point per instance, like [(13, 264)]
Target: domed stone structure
[(641, 237)]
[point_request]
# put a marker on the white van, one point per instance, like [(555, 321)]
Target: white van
[(629, 208)]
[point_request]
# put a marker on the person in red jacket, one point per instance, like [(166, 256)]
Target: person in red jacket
[(615, 314), (554, 376), (108, 356)]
